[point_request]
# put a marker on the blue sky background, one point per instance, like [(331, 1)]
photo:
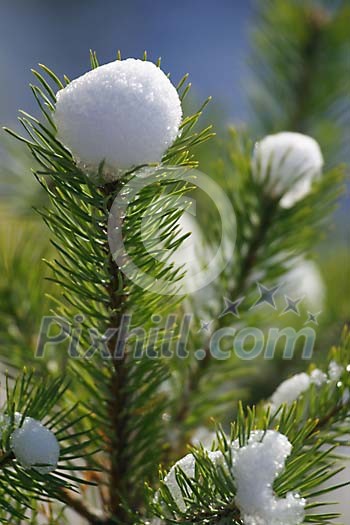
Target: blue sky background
[(205, 38)]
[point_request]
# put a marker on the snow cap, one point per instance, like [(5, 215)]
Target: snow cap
[(255, 467), (126, 113), (288, 162), (34, 444)]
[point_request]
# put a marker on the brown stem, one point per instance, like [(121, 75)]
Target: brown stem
[(323, 422), (81, 509), (119, 487)]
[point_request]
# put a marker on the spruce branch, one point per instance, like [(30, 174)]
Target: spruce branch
[(247, 267), (120, 393), (268, 237), (26, 398), (315, 424)]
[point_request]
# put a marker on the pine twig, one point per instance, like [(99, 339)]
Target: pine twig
[(324, 421), (247, 265), (258, 239), (81, 509), (72, 502)]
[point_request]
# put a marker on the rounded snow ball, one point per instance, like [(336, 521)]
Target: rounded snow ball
[(188, 465), (125, 113), (288, 162), (289, 390), (33, 444), (255, 467)]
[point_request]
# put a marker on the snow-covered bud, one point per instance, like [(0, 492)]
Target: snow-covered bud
[(289, 390), (346, 396), (335, 371), (288, 162), (125, 113), (187, 464), (34, 444), (317, 377), (255, 467)]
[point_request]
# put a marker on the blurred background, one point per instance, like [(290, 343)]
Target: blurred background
[(210, 41), (269, 66)]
